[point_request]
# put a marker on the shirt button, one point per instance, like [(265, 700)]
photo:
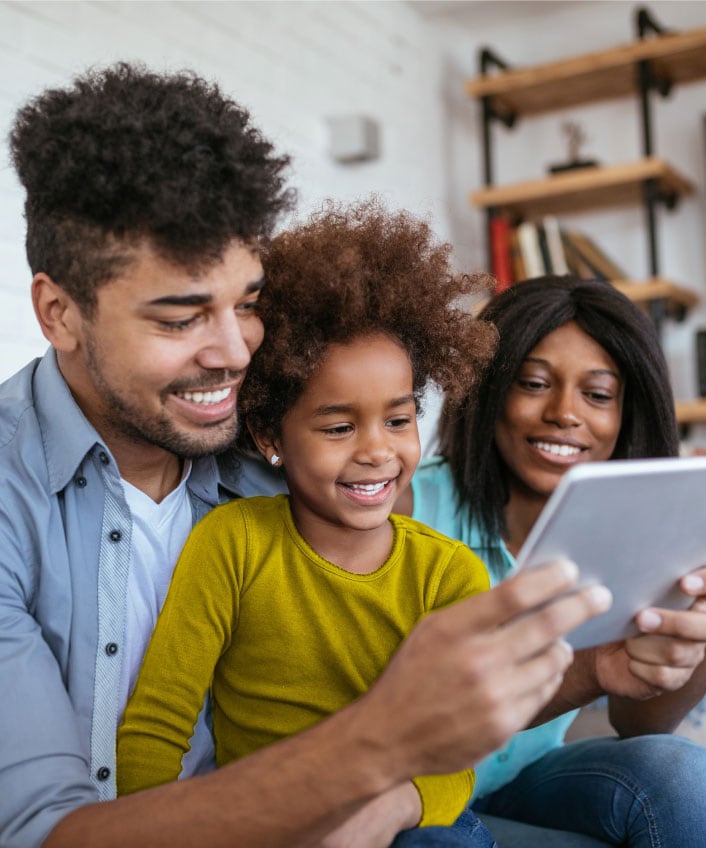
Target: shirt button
[(103, 456), (503, 758), (111, 648), (103, 773), (115, 535), (81, 482)]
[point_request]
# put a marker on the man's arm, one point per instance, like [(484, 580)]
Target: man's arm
[(489, 665)]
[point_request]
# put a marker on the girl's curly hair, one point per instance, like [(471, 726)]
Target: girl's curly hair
[(351, 272)]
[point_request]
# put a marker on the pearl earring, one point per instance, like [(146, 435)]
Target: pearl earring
[(275, 460)]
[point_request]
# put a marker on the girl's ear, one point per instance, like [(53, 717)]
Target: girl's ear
[(268, 446)]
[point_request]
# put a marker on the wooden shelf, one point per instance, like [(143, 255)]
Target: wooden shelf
[(604, 75), (584, 188), (691, 411), (677, 299)]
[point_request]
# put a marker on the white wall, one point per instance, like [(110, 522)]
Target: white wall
[(296, 63), (535, 33), (293, 64)]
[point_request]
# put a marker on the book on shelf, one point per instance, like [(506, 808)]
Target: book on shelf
[(500, 253), (519, 272), (535, 248), (576, 262), (532, 258), (591, 255), (557, 257)]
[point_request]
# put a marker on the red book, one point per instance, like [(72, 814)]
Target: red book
[(500, 253)]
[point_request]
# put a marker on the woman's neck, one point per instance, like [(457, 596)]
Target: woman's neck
[(521, 512)]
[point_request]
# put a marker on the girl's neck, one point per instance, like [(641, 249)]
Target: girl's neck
[(356, 551), (521, 512)]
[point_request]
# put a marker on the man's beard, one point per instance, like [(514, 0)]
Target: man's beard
[(130, 422)]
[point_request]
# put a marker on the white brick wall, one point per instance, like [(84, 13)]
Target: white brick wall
[(293, 64)]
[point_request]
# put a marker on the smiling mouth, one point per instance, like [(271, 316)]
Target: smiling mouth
[(555, 449), (206, 398), (367, 489)]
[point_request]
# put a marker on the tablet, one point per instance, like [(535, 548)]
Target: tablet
[(635, 525)]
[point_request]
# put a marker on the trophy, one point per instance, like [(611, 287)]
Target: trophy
[(575, 137)]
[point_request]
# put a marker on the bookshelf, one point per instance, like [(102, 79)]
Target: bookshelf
[(585, 189), (605, 75), (652, 64), (691, 411)]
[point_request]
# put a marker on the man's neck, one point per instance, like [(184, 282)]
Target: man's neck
[(156, 475)]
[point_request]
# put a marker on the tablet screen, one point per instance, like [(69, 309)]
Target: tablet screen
[(636, 526)]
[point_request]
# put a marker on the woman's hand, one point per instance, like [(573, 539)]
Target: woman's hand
[(666, 660), (664, 656)]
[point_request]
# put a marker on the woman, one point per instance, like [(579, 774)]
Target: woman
[(578, 377)]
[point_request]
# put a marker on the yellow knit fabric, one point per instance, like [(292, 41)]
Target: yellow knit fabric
[(283, 638)]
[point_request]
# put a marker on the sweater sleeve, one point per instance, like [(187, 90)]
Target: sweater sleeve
[(444, 796), (193, 629)]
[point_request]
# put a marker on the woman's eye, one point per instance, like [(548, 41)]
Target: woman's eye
[(600, 397), (532, 384)]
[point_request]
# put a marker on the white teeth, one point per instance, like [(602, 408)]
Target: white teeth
[(557, 450), (206, 398), (368, 488)]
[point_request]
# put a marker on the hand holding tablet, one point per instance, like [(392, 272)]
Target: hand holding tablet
[(636, 526)]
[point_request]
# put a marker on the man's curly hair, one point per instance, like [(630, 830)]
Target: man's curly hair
[(355, 271), (125, 154)]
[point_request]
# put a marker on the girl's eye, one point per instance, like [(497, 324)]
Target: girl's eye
[(338, 430), (600, 397), (397, 423)]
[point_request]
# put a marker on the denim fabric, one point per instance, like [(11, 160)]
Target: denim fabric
[(467, 832), (513, 834), (646, 792)]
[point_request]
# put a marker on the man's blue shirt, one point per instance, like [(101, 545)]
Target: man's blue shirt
[(64, 559)]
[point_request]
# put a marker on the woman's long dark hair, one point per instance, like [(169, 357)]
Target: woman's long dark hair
[(524, 315)]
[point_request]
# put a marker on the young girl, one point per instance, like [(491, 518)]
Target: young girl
[(578, 376), (288, 608)]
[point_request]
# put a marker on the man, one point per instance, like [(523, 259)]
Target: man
[(146, 196)]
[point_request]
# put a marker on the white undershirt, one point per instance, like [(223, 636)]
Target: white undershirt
[(159, 531)]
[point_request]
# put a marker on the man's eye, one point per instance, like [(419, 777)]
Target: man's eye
[(249, 306), (178, 325)]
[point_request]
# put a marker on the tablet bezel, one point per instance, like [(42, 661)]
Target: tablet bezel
[(636, 526)]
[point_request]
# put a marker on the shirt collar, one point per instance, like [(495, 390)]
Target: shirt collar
[(66, 432)]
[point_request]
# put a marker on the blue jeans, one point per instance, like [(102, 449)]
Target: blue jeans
[(646, 792), (467, 832)]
